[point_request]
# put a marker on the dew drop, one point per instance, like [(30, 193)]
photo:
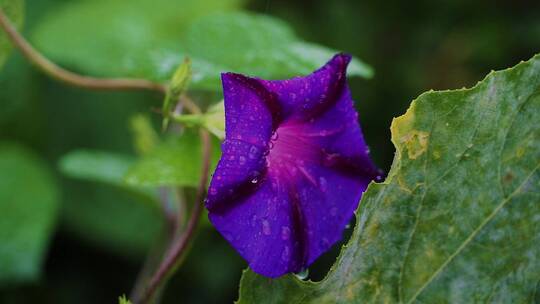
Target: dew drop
[(228, 236), (302, 274), (253, 152), (254, 220), (324, 243), (275, 136), (285, 254), (241, 160), (255, 177), (266, 227), (213, 191), (323, 184), (285, 233)]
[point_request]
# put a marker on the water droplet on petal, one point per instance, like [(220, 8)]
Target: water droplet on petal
[(227, 235), (266, 227), (255, 177), (254, 220), (323, 184), (253, 152), (324, 243), (285, 254), (241, 160), (285, 233), (302, 274)]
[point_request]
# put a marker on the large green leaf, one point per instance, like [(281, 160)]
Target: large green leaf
[(140, 38), (28, 207), (176, 162), (14, 10), (123, 222), (149, 39), (100, 166), (97, 166), (113, 223), (458, 218), (252, 44)]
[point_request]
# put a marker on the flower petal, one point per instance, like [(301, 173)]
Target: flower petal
[(262, 227), (249, 124), (293, 168), (307, 97)]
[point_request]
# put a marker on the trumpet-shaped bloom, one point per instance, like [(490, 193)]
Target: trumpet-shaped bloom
[(293, 168)]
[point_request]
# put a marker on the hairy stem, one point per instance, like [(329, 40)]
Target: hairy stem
[(68, 77)]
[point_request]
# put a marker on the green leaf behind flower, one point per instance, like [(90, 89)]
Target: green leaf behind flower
[(28, 205), (175, 162), (150, 38), (105, 167), (458, 218)]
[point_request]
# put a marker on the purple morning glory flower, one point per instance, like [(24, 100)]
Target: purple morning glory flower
[(293, 168)]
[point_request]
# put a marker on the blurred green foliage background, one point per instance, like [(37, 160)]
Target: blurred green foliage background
[(102, 232)]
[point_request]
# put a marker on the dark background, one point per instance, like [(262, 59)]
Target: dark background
[(414, 46)]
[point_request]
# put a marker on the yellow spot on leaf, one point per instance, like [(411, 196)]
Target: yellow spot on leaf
[(405, 136), (416, 143)]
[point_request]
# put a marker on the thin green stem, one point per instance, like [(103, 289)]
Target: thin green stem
[(178, 247), (175, 251), (68, 77)]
